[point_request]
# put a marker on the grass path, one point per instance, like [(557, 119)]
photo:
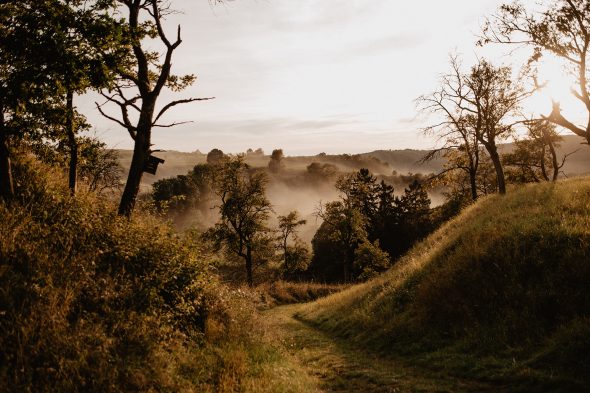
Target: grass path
[(334, 366)]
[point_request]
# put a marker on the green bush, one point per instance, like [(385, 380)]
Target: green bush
[(90, 301)]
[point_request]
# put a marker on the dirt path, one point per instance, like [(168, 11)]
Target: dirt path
[(336, 367)]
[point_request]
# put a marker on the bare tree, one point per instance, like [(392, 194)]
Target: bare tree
[(561, 29), (460, 144), (476, 107), (494, 98), (148, 74)]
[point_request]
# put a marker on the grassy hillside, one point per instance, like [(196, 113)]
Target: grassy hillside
[(499, 293)]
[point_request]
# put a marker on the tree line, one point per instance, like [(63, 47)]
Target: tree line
[(361, 234)]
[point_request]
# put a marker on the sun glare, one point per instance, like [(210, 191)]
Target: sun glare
[(556, 84)]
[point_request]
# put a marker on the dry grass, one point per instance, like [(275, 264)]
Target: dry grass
[(284, 292)]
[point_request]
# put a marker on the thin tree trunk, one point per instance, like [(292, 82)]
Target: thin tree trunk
[(6, 183), (73, 145), (249, 266), (495, 157), (473, 184), (543, 166), (554, 161)]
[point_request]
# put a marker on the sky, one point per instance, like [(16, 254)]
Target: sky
[(309, 76)]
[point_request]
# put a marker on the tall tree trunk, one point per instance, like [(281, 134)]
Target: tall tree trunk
[(249, 266), (141, 152), (6, 183), (73, 145), (495, 157)]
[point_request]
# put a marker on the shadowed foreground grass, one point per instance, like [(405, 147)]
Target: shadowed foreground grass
[(334, 365)]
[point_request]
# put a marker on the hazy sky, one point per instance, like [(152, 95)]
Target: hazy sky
[(309, 76)]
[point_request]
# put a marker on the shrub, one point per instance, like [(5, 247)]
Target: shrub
[(90, 301)]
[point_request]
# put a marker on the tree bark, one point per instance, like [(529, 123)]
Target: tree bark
[(543, 166), (6, 183), (140, 156), (554, 161), (73, 145), (495, 157), (141, 152)]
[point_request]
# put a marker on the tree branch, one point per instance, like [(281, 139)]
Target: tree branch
[(174, 103)]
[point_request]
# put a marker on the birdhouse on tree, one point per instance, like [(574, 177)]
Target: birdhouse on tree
[(151, 166)]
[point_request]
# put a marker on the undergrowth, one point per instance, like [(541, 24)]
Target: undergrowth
[(92, 302), (279, 293)]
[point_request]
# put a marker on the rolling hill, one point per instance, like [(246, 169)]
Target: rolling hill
[(499, 293), (378, 161)]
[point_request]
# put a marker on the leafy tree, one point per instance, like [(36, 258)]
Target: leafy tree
[(359, 190), (61, 48), (478, 104), (86, 40), (148, 76), (185, 192), (342, 230), (244, 209), (276, 163), (215, 156), (23, 87), (370, 260), (367, 213), (320, 173), (561, 29), (98, 165), (458, 184), (296, 255)]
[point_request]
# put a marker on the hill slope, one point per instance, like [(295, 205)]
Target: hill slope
[(501, 293)]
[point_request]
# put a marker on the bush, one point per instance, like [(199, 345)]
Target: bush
[(370, 260), (90, 301)]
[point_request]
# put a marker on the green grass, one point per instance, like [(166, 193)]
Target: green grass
[(500, 293)]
